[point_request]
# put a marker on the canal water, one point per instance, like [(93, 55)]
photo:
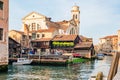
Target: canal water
[(81, 71)]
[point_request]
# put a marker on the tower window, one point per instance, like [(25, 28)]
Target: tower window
[(1, 33), (73, 16), (1, 5), (76, 16)]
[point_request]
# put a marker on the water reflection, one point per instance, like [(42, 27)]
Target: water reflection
[(80, 71)]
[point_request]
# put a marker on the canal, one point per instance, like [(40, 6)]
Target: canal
[(81, 71)]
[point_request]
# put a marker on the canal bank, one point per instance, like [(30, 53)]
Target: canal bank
[(3, 68), (79, 71), (102, 67)]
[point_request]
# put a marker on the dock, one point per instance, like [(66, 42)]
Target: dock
[(45, 59)]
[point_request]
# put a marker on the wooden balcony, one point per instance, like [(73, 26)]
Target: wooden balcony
[(41, 46)]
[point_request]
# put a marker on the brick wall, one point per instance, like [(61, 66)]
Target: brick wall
[(4, 26)]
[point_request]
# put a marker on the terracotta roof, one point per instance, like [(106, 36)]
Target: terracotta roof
[(51, 24), (13, 40), (64, 38), (83, 45), (42, 39), (63, 24), (44, 30), (20, 32), (111, 36), (85, 39), (47, 30)]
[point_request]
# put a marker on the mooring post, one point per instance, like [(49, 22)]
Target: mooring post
[(114, 66)]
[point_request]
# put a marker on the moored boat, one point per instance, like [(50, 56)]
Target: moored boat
[(22, 61), (100, 56)]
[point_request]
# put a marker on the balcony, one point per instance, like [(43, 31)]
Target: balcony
[(41, 46)]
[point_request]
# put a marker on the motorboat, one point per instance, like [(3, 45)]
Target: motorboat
[(100, 56), (22, 61)]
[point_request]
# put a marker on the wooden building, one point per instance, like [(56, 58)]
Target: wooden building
[(65, 42), (41, 45), (14, 48), (85, 49)]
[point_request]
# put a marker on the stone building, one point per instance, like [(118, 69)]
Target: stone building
[(4, 34), (118, 33), (20, 37), (40, 26), (108, 43)]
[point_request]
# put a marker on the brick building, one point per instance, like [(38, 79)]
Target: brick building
[(3, 34)]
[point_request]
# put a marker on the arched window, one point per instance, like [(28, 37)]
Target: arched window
[(76, 16), (73, 16), (72, 31)]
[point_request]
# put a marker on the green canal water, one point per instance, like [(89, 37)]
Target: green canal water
[(81, 71)]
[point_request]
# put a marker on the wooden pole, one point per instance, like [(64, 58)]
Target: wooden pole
[(114, 66)]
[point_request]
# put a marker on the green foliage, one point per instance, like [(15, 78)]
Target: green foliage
[(68, 44), (79, 60)]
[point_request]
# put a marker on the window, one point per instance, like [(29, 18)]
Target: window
[(1, 33), (76, 16), (38, 27), (33, 35), (33, 26), (43, 35), (72, 31), (73, 16), (43, 50), (1, 5), (38, 36)]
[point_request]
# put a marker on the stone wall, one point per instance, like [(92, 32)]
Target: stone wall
[(4, 42)]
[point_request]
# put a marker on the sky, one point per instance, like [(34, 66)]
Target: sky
[(98, 18)]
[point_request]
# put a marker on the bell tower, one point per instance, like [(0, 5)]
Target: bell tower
[(76, 16)]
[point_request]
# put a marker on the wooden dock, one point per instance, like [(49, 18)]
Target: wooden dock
[(45, 59)]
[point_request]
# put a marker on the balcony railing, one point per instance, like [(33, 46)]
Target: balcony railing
[(41, 46)]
